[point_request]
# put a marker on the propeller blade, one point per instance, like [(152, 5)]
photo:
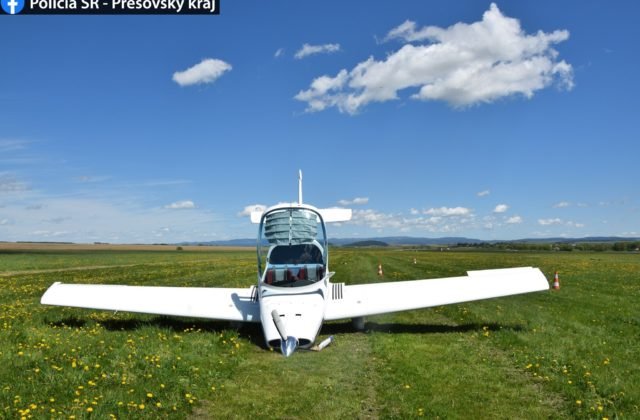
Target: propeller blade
[(288, 344), (279, 324)]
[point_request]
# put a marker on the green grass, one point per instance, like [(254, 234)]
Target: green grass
[(571, 353)]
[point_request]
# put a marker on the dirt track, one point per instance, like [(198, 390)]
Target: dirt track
[(40, 246)]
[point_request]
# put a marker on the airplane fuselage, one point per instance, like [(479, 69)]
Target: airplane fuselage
[(294, 278)]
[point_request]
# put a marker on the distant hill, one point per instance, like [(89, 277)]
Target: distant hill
[(367, 244), (407, 240), (417, 241), (576, 240), (229, 242)]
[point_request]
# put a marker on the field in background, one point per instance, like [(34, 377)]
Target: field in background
[(567, 353)]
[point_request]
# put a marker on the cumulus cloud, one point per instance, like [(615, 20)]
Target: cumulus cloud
[(206, 71), (501, 208), (10, 145), (308, 50), (448, 211), (91, 178), (251, 208), (442, 220), (181, 205), (358, 201), (547, 222), (117, 219), (462, 65), (514, 220), (557, 221), (9, 183), (376, 219), (561, 204), (483, 193)]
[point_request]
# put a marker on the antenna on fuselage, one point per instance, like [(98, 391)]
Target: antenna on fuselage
[(299, 186)]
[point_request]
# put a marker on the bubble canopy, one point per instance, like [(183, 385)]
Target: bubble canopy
[(291, 235)]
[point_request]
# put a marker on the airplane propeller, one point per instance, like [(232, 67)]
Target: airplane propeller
[(288, 344)]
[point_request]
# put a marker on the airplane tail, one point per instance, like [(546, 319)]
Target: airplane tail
[(328, 215)]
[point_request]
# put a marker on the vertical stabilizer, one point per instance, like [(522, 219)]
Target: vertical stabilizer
[(299, 186)]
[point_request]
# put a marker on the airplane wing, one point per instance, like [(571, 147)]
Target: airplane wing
[(379, 298), (232, 304)]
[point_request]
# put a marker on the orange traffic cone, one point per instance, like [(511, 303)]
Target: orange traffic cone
[(380, 269), (556, 282)]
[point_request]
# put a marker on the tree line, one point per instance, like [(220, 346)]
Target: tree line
[(624, 246)]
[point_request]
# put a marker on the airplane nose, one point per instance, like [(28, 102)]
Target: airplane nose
[(288, 346)]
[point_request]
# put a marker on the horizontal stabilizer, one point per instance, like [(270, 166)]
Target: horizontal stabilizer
[(335, 215), (328, 215), (379, 298), (201, 302), (256, 216)]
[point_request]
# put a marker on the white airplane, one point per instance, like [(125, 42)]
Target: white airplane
[(294, 293)]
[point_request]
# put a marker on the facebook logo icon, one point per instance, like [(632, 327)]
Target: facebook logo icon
[(12, 7)]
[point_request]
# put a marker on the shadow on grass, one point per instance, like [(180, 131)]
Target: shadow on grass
[(347, 327), (249, 330), (253, 331), (70, 322)]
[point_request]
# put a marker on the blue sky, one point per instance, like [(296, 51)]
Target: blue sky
[(438, 118)]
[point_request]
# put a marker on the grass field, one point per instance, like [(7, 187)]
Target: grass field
[(571, 353)]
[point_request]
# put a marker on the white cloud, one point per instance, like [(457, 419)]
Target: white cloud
[(448, 211), (547, 222), (88, 219), (561, 204), (279, 52), (358, 201), (501, 208), (446, 221), (9, 183), (376, 220), (206, 71), (514, 220), (91, 178), (308, 50), (557, 221), (575, 224), (463, 64), (407, 31), (483, 193), (10, 145), (181, 205), (251, 208)]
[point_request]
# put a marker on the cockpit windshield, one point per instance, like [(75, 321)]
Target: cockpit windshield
[(292, 247)]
